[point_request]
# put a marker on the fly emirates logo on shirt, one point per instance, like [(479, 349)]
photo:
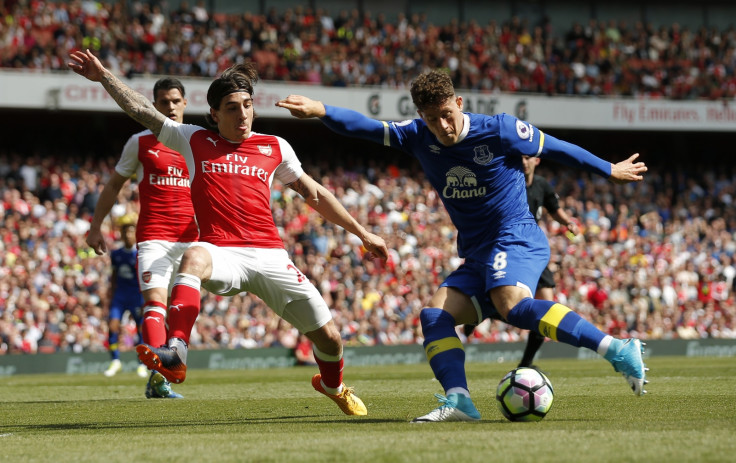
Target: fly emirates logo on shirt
[(174, 177), (234, 164)]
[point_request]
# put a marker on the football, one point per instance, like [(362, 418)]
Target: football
[(524, 394)]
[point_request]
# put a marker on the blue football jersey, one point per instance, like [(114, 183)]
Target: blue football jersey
[(124, 262), (480, 178)]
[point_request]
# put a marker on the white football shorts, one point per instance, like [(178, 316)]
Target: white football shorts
[(271, 275), (158, 263)]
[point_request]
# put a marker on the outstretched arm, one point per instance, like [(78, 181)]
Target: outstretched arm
[(324, 202), (343, 121), (567, 153), (627, 170), (133, 103), (104, 205)]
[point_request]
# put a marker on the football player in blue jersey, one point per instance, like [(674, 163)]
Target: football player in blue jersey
[(474, 161), (125, 294), (540, 195)]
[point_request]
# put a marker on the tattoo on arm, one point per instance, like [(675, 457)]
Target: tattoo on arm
[(134, 104), (302, 189)]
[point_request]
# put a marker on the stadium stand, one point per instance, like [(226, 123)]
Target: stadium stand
[(352, 48), (659, 270), (655, 260)]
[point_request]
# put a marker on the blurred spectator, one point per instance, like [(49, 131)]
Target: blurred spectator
[(647, 263), (655, 260), (303, 351), (356, 48)]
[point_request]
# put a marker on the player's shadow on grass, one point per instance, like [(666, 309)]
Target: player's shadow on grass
[(236, 421), (356, 421)]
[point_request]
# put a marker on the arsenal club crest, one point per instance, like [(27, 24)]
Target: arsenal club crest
[(265, 150)]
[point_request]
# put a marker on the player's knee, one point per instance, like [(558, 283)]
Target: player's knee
[(522, 306), (195, 261), (505, 298)]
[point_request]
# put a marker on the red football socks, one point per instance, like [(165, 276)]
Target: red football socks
[(183, 310), (154, 324)]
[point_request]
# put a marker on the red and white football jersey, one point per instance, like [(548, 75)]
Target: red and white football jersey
[(163, 184), (231, 182)]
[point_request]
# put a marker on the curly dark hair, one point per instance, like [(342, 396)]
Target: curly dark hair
[(237, 78), (431, 89)]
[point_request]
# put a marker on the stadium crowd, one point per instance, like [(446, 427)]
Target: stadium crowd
[(351, 48), (655, 260)]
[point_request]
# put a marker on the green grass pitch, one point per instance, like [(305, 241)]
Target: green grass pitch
[(274, 415)]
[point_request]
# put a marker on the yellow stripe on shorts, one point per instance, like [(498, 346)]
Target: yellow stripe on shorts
[(442, 345), (551, 320)]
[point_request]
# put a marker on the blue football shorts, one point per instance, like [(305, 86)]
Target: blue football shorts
[(517, 257), (130, 302)]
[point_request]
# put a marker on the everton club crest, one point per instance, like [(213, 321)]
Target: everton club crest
[(483, 155)]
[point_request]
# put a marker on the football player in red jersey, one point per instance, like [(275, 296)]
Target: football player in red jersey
[(166, 222), (232, 169)]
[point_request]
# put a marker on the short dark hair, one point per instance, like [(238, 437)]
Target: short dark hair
[(431, 89), (237, 78), (168, 83)]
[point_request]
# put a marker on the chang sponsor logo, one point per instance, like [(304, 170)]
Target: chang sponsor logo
[(462, 184)]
